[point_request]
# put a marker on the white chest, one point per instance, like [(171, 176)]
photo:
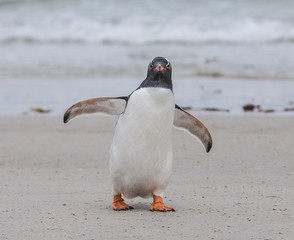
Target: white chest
[(150, 108), (141, 151)]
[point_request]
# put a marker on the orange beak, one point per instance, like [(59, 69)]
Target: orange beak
[(159, 69)]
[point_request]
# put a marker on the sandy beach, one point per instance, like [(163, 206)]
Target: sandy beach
[(55, 181)]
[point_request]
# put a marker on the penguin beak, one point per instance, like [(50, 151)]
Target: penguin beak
[(159, 68)]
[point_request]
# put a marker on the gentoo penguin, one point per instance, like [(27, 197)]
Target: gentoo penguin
[(141, 150)]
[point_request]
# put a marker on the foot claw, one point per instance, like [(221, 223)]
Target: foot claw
[(119, 204), (158, 205)]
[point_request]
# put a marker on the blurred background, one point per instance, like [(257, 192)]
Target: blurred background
[(224, 54)]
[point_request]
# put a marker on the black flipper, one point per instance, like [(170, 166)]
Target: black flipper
[(108, 105), (188, 122)]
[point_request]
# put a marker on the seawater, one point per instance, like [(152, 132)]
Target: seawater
[(147, 22), (18, 96), (46, 43)]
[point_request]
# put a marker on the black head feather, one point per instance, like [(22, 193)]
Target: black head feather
[(158, 74)]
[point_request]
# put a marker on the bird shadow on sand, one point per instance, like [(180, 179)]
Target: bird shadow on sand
[(140, 206), (137, 207)]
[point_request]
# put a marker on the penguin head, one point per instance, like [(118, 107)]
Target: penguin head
[(159, 72), (159, 68)]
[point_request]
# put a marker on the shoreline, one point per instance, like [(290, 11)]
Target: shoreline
[(20, 95), (56, 184)]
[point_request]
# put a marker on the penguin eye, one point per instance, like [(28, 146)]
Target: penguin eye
[(167, 65), (151, 65)]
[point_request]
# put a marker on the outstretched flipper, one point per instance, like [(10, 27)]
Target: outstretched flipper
[(108, 105), (188, 122)]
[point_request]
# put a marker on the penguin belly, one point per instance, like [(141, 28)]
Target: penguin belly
[(141, 151)]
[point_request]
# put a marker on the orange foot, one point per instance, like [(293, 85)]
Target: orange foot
[(158, 205), (119, 204)]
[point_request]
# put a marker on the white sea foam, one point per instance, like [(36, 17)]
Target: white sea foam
[(128, 32), (118, 22)]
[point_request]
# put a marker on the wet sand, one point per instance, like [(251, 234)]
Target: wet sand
[(55, 181)]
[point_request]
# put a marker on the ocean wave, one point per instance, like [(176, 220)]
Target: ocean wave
[(92, 22), (66, 40), (237, 39)]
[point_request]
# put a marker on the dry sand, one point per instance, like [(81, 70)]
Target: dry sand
[(55, 182)]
